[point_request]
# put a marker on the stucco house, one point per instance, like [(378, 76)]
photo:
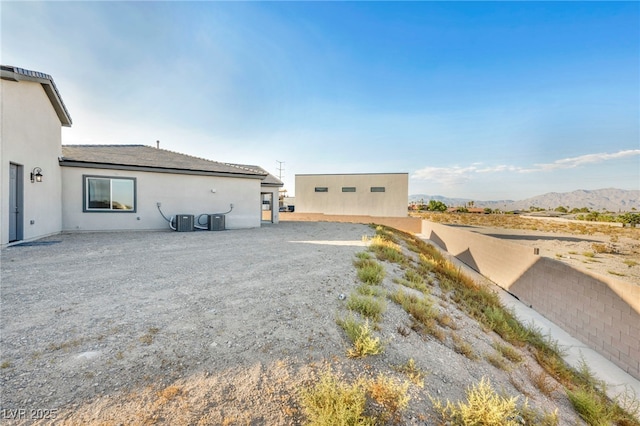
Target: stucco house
[(116, 187), (31, 118), (47, 188), (371, 194)]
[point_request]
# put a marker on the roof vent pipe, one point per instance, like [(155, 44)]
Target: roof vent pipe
[(158, 144)]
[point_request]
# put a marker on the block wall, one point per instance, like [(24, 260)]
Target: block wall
[(603, 312)]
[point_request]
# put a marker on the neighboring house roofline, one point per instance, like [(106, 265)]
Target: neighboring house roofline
[(150, 159), (12, 73)]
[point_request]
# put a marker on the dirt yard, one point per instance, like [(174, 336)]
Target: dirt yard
[(215, 328)]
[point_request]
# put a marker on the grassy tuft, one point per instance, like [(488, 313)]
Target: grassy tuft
[(419, 308), (391, 396), (591, 406), (371, 290), (497, 360), (369, 271), (387, 250), (463, 348), (509, 352), (333, 402), (542, 381), (368, 306), (483, 407), (415, 374), (361, 336)]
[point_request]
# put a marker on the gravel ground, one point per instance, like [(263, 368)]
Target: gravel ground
[(210, 328)]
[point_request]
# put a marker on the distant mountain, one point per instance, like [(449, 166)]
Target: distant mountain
[(610, 199)]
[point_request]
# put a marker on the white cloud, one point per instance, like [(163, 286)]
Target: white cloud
[(456, 175), (570, 163), (449, 176)]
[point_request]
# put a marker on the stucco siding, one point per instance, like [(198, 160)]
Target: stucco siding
[(361, 201), (30, 133), (177, 193)]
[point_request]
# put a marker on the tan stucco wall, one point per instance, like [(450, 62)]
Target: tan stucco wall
[(603, 312), (178, 194), (393, 202), (411, 225), (31, 136)]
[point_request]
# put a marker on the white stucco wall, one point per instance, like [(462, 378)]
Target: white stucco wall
[(392, 203), (30, 135), (178, 194)]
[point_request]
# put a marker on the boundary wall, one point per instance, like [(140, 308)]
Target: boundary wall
[(602, 312), (413, 225)]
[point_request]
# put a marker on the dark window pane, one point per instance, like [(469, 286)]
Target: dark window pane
[(99, 196)]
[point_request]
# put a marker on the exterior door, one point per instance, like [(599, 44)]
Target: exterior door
[(267, 206), (15, 203)]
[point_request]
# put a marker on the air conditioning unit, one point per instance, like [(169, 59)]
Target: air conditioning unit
[(184, 222), (215, 222)]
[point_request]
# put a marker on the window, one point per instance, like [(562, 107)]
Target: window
[(322, 189), (109, 194), (348, 189), (377, 189)]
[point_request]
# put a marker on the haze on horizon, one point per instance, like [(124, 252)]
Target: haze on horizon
[(478, 100)]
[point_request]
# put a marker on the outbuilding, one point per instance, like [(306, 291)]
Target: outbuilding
[(370, 194)]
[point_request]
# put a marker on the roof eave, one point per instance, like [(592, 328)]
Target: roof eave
[(110, 166), (49, 86)]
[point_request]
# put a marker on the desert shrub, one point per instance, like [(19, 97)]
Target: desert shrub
[(386, 250), (463, 348), (333, 402), (542, 381), (504, 322), (509, 352), (368, 306), (497, 360), (369, 271), (391, 396), (420, 308), (415, 374), (361, 336), (484, 407), (371, 290), (591, 406)]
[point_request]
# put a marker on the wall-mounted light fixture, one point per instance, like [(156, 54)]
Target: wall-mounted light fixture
[(36, 175)]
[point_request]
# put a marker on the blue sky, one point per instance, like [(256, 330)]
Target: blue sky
[(481, 100)]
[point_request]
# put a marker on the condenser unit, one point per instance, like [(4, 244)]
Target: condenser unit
[(215, 222), (184, 222)]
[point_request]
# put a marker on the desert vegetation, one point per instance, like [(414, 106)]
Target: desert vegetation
[(428, 283)]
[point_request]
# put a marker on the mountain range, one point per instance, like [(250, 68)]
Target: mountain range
[(609, 199)]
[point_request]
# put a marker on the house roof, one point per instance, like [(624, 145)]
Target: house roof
[(269, 180), (11, 73), (147, 158)]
